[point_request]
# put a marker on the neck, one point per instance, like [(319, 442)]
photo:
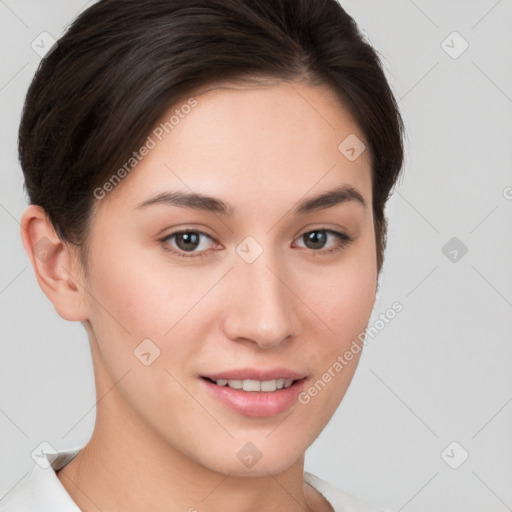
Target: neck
[(126, 465)]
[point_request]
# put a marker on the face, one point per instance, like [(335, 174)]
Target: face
[(181, 291)]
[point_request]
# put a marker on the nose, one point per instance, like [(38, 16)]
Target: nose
[(260, 307)]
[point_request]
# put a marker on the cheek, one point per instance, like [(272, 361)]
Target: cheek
[(342, 301), (133, 302), (126, 300), (343, 296), (132, 299)]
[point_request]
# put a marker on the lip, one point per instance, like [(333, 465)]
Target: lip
[(255, 403), (256, 374)]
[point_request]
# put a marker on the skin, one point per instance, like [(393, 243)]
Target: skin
[(160, 441)]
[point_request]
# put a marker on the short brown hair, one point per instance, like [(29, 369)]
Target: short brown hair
[(123, 63)]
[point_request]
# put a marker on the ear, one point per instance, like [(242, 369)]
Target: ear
[(57, 270)]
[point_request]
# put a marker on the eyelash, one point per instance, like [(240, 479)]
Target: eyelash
[(343, 241)]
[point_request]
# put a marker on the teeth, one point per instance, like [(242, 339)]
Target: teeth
[(235, 384), (251, 385), (256, 385), (267, 385)]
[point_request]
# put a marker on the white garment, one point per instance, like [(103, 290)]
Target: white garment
[(42, 491)]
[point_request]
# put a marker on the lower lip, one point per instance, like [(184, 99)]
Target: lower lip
[(256, 403)]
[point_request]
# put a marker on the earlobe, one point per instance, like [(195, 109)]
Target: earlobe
[(55, 268)]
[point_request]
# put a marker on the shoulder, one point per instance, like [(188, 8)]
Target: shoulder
[(40, 489), (340, 500)]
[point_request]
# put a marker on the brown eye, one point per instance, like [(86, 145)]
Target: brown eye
[(186, 241), (189, 243), (317, 239)]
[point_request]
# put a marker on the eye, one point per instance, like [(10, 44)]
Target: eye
[(316, 239), (191, 241), (186, 241)]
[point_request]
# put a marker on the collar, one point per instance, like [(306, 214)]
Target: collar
[(43, 491)]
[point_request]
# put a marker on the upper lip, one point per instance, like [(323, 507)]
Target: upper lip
[(256, 374)]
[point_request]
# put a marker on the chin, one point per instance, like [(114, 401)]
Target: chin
[(247, 460)]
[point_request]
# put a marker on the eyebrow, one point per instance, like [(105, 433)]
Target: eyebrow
[(196, 201)]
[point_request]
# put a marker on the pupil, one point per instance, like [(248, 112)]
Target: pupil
[(190, 239), (318, 238)]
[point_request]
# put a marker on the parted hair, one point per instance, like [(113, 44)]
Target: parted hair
[(121, 64)]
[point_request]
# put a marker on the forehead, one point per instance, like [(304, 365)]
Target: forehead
[(247, 142)]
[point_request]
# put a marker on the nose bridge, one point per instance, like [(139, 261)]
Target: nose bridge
[(260, 306)]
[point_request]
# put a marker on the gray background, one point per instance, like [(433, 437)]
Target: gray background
[(439, 372)]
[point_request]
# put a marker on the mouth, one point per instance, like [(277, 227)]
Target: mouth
[(257, 386), (254, 397)]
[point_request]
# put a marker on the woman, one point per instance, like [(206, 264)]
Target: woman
[(207, 181)]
